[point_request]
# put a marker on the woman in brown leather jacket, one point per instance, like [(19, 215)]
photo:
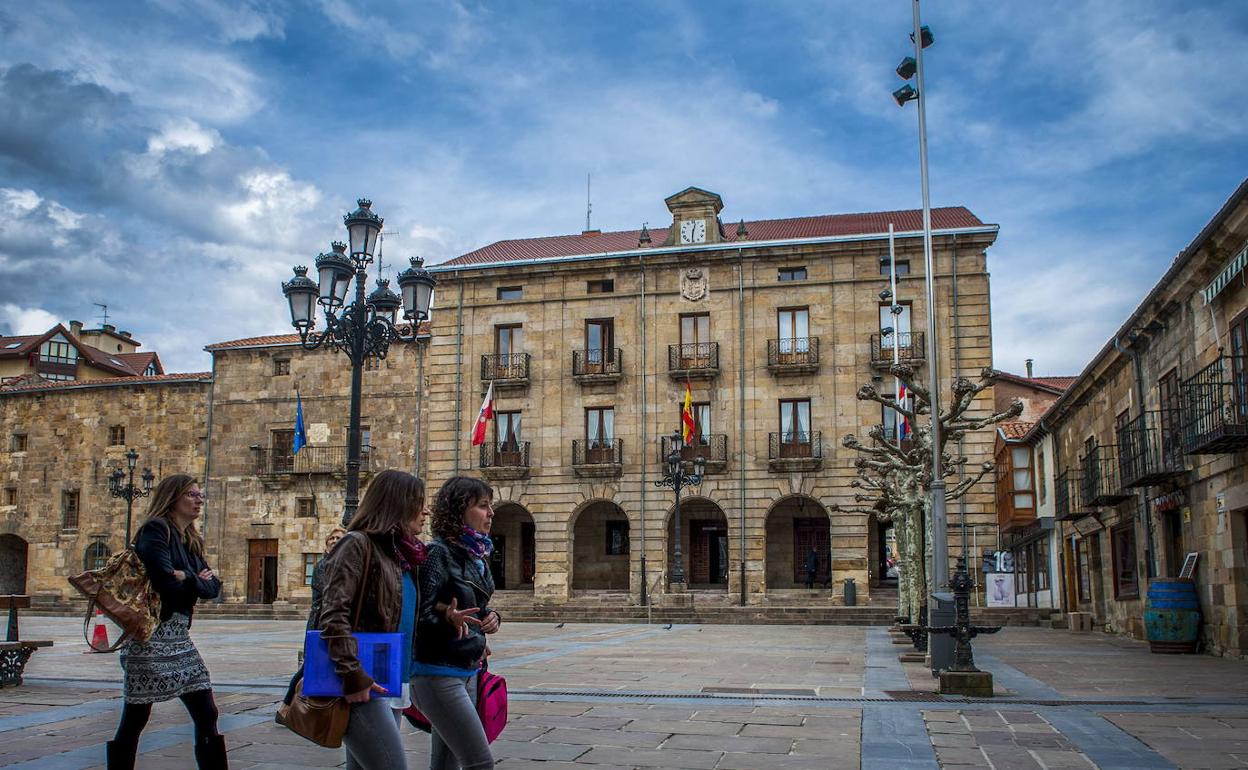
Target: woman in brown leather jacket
[(393, 501)]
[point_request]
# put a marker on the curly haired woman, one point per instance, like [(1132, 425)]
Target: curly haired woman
[(452, 621)]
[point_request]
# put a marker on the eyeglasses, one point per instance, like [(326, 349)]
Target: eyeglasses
[(197, 495)]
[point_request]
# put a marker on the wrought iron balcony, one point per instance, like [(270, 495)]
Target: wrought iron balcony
[(911, 349), (505, 370), (694, 361), (1215, 408), (795, 451), (597, 365), (309, 460), (1101, 483), (508, 460), (597, 457), (1068, 500), (793, 355), (712, 447), (1150, 449)]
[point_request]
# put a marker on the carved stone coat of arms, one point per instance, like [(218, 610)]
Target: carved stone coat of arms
[(693, 283)]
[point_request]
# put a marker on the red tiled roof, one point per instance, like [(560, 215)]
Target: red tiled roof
[(1015, 430), (21, 345), (1056, 385), (106, 382), (140, 361), (278, 340), (870, 223)]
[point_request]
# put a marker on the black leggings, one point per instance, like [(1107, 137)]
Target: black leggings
[(200, 704)]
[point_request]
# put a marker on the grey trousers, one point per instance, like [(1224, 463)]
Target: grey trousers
[(458, 741), (372, 738)]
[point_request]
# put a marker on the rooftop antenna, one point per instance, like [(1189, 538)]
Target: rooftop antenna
[(381, 244), (589, 207), (105, 313)]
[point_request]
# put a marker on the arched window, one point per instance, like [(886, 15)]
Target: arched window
[(97, 554)]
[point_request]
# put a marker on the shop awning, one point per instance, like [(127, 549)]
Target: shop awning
[(1232, 269)]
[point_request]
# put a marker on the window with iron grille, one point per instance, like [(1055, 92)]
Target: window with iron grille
[(96, 556), (791, 274), (903, 266), (309, 566), (1126, 575), (10, 495), (305, 507), (69, 509), (17, 442), (281, 366), (116, 435)]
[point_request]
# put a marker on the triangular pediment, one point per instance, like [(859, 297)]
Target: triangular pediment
[(694, 196)]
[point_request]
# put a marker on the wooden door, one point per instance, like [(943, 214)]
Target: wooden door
[(810, 533), (261, 571)]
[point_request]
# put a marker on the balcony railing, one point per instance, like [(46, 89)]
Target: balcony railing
[(309, 460), (698, 360), (795, 451), (793, 355), (509, 454), (1215, 408), (597, 457), (1068, 500), (712, 447), (1150, 449), (505, 369), (597, 364), (911, 349), (1101, 483)]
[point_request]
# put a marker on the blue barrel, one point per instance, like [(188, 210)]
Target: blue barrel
[(1172, 618)]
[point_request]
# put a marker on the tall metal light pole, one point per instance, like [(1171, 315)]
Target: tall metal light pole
[(129, 491), (913, 67), (365, 328), (676, 478)]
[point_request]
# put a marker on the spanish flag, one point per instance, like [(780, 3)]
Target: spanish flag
[(686, 417)]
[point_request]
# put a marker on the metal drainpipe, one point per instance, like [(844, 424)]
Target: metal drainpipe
[(459, 371), (641, 261), (741, 441), (957, 371), (212, 389), (1144, 508)]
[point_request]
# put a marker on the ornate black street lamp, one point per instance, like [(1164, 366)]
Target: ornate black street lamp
[(129, 491), (677, 477), (363, 329)]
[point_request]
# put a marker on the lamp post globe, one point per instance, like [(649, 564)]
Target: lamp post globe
[(334, 271), (363, 227), (384, 302), (301, 294), (416, 285)]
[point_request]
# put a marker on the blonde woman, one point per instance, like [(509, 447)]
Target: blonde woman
[(167, 665)]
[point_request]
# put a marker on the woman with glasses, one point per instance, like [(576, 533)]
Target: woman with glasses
[(167, 665)]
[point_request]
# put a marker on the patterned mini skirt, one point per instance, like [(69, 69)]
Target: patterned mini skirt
[(165, 666)]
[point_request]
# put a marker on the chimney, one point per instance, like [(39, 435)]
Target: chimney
[(75, 328), (1029, 363), (108, 328), (127, 335)]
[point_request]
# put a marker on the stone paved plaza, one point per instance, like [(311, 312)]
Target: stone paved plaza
[(724, 697)]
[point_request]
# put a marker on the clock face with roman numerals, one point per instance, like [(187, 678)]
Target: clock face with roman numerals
[(693, 231)]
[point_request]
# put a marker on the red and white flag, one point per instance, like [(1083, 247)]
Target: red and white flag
[(485, 415)]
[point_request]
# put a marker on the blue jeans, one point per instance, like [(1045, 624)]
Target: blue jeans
[(372, 738), (458, 739)]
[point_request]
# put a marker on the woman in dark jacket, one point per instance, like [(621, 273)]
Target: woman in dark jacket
[(451, 624), (373, 594), (314, 609), (167, 665)]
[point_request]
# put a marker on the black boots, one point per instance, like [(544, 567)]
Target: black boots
[(209, 754), (120, 755)]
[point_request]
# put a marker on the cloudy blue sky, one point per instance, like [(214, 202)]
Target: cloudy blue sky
[(173, 158)]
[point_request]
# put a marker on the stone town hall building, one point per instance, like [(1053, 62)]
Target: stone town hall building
[(589, 341)]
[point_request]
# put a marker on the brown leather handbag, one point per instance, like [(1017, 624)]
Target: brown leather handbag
[(323, 720), (123, 592)]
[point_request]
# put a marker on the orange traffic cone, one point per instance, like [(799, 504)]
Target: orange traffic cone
[(99, 635)]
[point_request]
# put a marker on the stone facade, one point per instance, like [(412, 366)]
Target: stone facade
[(738, 532), (1160, 412), (54, 497)]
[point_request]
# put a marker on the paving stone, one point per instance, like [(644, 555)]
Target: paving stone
[(523, 750), (674, 758), (620, 738), (684, 728), (734, 743)]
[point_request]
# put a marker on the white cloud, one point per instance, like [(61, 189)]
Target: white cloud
[(183, 134), (26, 320)]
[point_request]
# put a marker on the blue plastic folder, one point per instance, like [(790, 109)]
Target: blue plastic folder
[(381, 655)]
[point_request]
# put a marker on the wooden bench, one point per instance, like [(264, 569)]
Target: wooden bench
[(14, 651)]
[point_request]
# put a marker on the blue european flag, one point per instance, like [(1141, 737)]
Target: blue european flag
[(301, 437)]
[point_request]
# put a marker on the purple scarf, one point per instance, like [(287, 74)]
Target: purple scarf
[(476, 543), (410, 551)]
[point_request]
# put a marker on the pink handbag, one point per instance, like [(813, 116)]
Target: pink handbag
[(491, 706)]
